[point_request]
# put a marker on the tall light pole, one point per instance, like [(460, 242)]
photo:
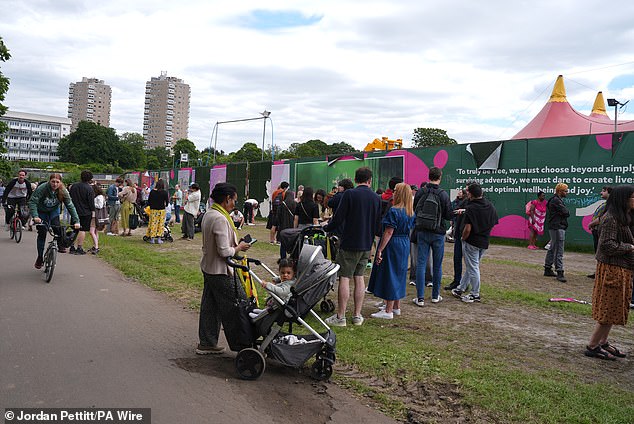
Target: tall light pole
[(265, 115), (615, 103)]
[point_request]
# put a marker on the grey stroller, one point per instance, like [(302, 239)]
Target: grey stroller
[(316, 278)]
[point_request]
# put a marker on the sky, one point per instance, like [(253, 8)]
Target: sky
[(331, 70)]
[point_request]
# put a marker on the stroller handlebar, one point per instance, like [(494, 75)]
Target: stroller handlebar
[(233, 264)]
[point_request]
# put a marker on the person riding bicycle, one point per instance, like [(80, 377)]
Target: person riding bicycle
[(45, 205), (15, 194)]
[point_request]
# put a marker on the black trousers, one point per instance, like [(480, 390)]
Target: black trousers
[(216, 306)]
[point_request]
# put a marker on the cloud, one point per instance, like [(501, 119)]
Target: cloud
[(330, 70)]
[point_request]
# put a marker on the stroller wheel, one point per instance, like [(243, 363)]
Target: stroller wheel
[(250, 364), (169, 238), (321, 369), (331, 305), (327, 305), (146, 238)]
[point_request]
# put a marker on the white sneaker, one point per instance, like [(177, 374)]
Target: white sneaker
[(418, 302), (412, 283), (357, 320), (429, 284), (335, 321), (380, 305), (396, 312), (382, 315), (436, 299), (110, 234)]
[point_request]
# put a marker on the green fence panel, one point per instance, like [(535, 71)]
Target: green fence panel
[(237, 175)]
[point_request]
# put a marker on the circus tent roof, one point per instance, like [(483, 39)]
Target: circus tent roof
[(558, 118), (598, 109)]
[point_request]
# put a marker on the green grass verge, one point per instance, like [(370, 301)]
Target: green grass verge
[(489, 381), (493, 379)]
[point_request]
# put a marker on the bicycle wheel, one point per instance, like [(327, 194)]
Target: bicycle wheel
[(11, 229), (50, 259), (17, 231)]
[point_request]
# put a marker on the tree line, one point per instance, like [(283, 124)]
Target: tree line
[(101, 149)]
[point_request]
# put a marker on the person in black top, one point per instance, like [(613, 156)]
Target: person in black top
[(285, 217), (83, 197), (307, 211), (434, 240), (16, 193), (479, 219), (458, 204), (158, 200), (557, 224), (360, 210)]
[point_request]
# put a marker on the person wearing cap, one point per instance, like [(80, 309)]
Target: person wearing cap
[(191, 209)]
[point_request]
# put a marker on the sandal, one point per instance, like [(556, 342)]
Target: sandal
[(598, 352), (612, 350)]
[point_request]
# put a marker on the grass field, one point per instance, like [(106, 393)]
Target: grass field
[(514, 358)]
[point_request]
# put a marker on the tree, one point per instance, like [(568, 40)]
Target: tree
[(428, 137), (340, 148), (185, 146), (5, 167), (90, 142), (249, 152), (132, 153), (207, 156), (158, 158)]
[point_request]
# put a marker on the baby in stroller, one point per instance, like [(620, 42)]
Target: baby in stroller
[(280, 286)]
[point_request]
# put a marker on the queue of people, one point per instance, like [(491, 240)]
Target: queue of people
[(364, 225)]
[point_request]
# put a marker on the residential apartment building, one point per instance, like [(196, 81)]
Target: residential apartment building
[(89, 100), (166, 114), (33, 137)]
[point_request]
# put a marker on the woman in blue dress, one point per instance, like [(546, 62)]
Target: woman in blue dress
[(389, 274)]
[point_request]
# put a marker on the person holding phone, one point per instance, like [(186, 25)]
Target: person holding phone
[(220, 241)]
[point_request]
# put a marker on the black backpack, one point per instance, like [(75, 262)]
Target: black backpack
[(428, 211), (277, 201)]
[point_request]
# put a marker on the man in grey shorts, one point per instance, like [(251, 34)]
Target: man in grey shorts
[(359, 213)]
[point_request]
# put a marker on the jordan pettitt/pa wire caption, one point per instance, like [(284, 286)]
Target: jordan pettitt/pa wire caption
[(78, 415)]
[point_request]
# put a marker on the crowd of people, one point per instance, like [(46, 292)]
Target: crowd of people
[(393, 230)]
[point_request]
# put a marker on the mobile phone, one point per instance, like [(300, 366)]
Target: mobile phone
[(247, 239), (252, 242)]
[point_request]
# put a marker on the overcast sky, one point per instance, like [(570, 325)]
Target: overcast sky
[(332, 70)]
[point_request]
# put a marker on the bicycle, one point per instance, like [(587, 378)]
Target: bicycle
[(15, 226), (50, 255)]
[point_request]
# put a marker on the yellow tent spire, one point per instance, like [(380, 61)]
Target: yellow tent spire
[(559, 91), (599, 105)]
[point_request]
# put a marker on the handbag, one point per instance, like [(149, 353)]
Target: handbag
[(241, 332), (101, 217), (133, 221)]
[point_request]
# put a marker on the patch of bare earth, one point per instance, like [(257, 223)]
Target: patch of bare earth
[(531, 338)]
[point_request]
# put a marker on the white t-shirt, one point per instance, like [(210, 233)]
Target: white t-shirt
[(236, 215)]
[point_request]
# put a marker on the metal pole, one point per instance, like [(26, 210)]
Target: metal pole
[(216, 142), (263, 135), (615, 115), (272, 143)]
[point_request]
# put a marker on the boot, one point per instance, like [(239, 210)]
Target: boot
[(548, 272), (560, 276)]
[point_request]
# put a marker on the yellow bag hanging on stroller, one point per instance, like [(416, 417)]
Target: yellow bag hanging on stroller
[(247, 282)]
